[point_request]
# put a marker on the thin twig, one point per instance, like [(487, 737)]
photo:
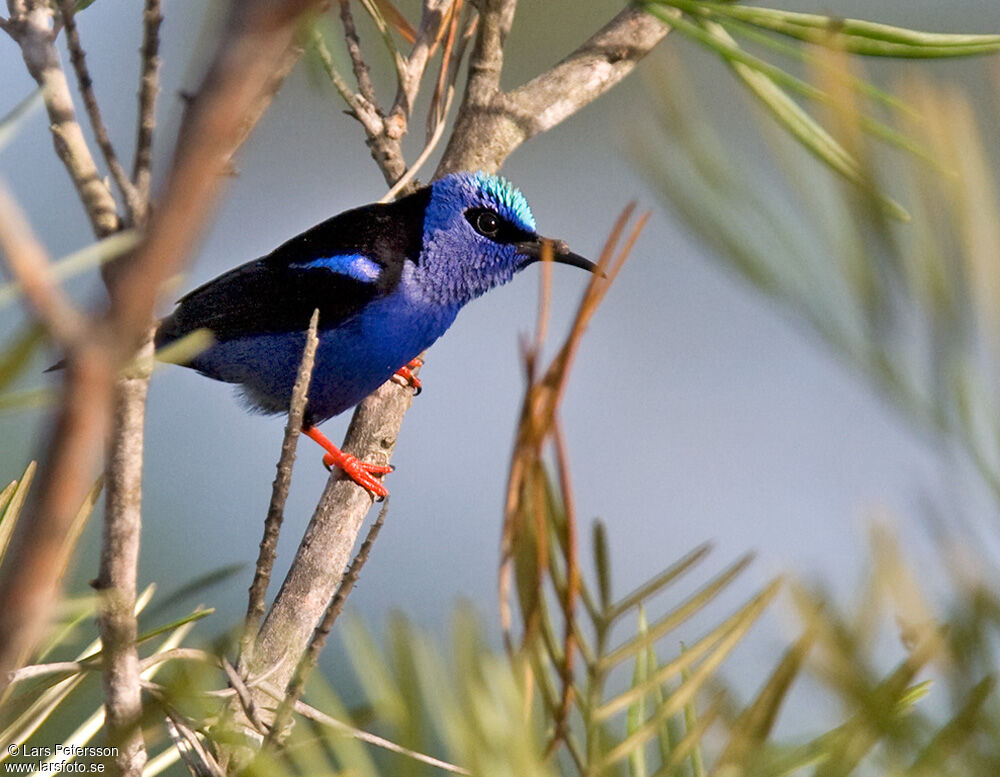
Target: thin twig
[(311, 656), (245, 697), (123, 508), (326, 59), (411, 172), (41, 670), (361, 73), (161, 691), (321, 717), (307, 711), (279, 493), (383, 136), (93, 662), (149, 83), (436, 113), (411, 72), (195, 755), (568, 601), (180, 654), (361, 109), (398, 60), (32, 29), (78, 58)]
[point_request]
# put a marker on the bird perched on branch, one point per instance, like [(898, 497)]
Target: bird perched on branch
[(388, 280)]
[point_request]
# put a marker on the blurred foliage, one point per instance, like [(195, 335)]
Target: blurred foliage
[(721, 26), (913, 306), (921, 704)]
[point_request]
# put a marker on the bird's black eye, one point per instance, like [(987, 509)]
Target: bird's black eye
[(485, 222)]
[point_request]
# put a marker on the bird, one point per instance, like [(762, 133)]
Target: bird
[(388, 280)]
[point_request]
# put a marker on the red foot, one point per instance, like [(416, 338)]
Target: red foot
[(359, 471), (404, 376)]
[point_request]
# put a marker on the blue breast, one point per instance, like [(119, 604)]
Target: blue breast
[(352, 360)]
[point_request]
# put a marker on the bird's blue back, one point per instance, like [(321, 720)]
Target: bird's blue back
[(388, 280)]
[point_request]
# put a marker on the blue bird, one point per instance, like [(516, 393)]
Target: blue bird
[(388, 280)]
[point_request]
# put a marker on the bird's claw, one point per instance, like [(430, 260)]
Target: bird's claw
[(361, 472), (404, 376)]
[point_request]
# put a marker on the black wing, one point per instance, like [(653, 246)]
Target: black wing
[(279, 292), (256, 298)]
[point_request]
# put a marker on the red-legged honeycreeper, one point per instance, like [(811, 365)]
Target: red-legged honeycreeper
[(388, 280)]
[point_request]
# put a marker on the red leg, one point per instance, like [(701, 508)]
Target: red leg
[(405, 377), (359, 471)]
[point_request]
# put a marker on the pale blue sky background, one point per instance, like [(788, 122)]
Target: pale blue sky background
[(696, 411)]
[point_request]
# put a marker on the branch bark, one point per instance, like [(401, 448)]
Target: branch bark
[(79, 60), (491, 124), (329, 540), (123, 472), (119, 568), (31, 26), (149, 84), (317, 642)]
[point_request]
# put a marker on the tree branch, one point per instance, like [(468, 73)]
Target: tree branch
[(384, 131), (257, 51), (491, 124), (362, 110), (486, 62), (257, 603), (79, 60), (310, 657), (119, 567), (600, 63), (32, 29), (326, 548), (239, 85), (361, 75), (248, 69), (149, 83), (431, 19)]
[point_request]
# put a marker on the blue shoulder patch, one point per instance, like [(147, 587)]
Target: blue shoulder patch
[(356, 266), (507, 197)]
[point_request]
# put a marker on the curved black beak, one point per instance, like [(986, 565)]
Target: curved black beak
[(560, 253)]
